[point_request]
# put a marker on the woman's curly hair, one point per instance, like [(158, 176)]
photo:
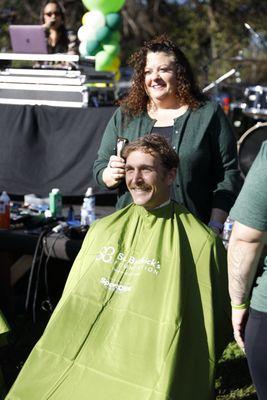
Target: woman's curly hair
[(135, 102)]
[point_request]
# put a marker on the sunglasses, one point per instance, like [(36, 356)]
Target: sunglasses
[(56, 13)]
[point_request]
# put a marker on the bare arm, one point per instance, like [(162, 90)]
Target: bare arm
[(244, 251)]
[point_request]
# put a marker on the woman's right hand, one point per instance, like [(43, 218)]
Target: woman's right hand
[(114, 172), (47, 26)]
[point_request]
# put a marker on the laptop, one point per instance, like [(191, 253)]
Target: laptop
[(28, 39)]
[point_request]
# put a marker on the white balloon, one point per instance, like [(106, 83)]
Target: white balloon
[(82, 48), (85, 33), (81, 33), (90, 33), (95, 19)]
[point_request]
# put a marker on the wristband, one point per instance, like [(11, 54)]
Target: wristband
[(242, 306), (216, 224)]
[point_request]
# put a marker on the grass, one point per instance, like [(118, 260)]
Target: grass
[(233, 381)]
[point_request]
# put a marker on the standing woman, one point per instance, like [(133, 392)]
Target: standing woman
[(165, 99), (59, 40)]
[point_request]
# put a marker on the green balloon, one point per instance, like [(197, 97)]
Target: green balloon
[(103, 34), (115, 37), (113, 20), (103, 60), (92, 47), (106, 6), (111, 48)]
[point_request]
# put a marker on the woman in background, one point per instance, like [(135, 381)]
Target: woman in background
[(59, 39)]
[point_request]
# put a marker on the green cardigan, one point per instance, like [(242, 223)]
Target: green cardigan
[(208, 174)]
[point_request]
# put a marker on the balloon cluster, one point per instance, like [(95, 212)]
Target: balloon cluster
[(99, 34)]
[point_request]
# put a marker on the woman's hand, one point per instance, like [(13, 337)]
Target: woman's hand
[(114, 172), (47, 25), (217, 220)]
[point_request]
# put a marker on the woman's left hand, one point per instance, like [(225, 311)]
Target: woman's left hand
[(216, 230)]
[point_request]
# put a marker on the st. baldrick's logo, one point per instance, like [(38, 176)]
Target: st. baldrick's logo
[(130, 263)]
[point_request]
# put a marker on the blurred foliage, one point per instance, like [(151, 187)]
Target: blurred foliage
[(211, 33)]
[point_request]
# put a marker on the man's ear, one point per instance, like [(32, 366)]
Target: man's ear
[(171, 174)]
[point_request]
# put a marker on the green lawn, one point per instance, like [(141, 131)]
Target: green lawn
[(234, 382)]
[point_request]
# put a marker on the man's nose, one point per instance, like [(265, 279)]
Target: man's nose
[(137, 177)]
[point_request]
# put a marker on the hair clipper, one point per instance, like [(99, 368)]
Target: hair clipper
[(121, 142)]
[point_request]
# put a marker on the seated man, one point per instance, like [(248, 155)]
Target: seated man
[(144, 313)]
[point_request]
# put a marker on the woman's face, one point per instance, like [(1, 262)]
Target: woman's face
[(160, 76), (52, 16)]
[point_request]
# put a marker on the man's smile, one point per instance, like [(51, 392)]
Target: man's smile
[(141, 188)]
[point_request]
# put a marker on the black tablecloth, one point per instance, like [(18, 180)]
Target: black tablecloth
[(56, 245), (42, 147)]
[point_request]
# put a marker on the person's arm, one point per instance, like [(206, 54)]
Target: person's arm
[(244, 251), (108, 168)]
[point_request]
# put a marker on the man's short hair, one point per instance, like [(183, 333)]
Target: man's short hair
[(154, 144)]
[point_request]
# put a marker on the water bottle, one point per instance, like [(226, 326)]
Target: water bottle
[(4, 210), (55, 203), (88, 208), (227, 230)]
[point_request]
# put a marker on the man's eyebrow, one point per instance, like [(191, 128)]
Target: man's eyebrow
[(139, 166)]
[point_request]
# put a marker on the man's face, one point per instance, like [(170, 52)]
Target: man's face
[(147, 180)]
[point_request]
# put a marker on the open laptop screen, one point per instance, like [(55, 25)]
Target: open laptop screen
[(28, 39)]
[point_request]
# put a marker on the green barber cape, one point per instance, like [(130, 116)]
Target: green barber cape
[(4, 328), (144, 314)]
